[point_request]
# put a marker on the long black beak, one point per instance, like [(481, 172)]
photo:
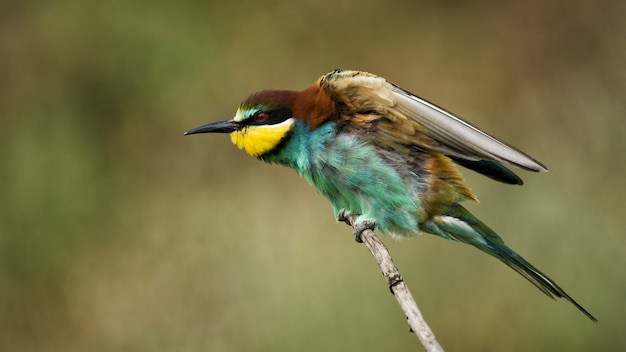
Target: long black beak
[(217, 127)]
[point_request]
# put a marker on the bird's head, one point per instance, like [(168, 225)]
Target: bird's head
[(265, 119), (262, 121)]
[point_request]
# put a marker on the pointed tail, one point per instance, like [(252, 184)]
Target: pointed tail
[(458, 224)]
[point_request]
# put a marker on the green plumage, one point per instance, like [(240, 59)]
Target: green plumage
[(333, 164)]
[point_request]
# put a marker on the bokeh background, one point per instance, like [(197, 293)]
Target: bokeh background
[(119, 234)]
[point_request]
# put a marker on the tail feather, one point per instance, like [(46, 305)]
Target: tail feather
[(460, 225), (534, 275)]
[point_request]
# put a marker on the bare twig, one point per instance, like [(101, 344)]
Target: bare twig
[(398, 287)]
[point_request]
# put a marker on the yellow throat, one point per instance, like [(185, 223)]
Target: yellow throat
[(258, 140)]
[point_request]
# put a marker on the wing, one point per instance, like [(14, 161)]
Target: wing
[(414, 120), (457, 137)]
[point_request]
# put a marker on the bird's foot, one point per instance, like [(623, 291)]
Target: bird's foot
[(342, 217), (361, 226), (393, 280)]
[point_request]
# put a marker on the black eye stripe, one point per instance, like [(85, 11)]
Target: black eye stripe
[(269, 117)]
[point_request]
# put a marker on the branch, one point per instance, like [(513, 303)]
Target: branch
[(398, 288)]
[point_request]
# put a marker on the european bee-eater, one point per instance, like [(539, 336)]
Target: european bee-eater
[(383, 154)]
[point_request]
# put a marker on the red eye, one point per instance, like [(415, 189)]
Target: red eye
[(260, 116)]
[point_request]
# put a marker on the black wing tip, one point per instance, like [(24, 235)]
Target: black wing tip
[(491, 169)]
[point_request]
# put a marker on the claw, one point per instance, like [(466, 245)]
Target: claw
[(359, 227), (362, 226), (341, 216), (394, 280)]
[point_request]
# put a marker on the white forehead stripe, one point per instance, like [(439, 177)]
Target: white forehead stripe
[(238, 116)]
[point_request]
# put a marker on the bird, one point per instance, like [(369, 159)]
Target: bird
[(386, 157)]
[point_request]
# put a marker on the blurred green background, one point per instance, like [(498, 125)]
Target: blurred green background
[(119, 234)]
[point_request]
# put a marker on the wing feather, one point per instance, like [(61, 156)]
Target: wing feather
[(446, 133), (462, 139)]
